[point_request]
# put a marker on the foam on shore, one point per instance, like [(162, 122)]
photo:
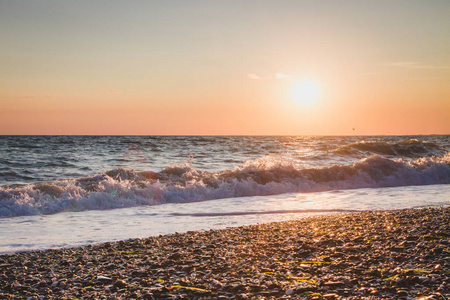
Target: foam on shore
[(366, 255)]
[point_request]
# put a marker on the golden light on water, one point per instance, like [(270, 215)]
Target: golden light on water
[(305, 92)]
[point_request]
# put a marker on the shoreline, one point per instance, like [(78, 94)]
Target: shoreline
[(367, 255)]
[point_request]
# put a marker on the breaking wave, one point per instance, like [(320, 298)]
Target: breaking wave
[(412, 148), (264, 176)]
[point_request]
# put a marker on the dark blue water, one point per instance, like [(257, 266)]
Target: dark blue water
[(31, 159), (51, 174)]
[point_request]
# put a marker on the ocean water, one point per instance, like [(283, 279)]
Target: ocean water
[(62, 191)]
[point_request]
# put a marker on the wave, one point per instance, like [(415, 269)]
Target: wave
[(181, 183), (6, 173), (412, 148)]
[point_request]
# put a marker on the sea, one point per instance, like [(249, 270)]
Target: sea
[(67, 191)]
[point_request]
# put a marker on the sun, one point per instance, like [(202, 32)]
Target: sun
[(305, 92)]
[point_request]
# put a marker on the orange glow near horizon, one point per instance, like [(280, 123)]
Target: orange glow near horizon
[(212, 68)]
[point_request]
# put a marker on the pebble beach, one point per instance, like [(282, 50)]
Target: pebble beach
[(400, 254)]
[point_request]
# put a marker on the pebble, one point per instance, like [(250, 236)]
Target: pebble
[(350, 255)]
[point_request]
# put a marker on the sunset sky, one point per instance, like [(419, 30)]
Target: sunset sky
[(225, 67)]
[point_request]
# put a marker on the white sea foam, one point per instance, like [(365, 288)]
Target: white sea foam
[(81, 228), (120, 188)]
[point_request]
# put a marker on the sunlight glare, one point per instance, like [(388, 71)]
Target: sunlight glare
[(305, 92)]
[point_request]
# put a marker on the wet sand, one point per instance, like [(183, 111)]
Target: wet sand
[(402, 254)]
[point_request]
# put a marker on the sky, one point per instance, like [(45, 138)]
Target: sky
[(224, 67)]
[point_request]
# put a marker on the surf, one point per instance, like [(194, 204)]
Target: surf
[(120, 187)]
